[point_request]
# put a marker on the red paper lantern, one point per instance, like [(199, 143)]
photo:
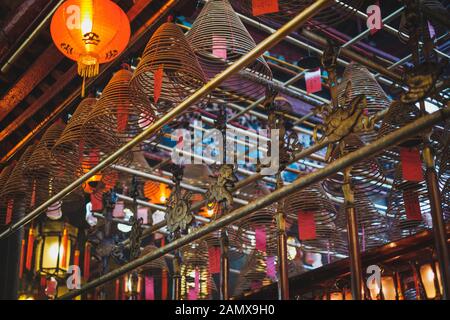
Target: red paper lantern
[(90, 32)]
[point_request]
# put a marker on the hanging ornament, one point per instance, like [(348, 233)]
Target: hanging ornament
[(90, 32)]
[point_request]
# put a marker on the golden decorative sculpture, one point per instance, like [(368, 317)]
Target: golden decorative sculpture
[(168, 71)]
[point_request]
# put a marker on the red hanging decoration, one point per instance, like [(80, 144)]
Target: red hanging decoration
[(158, 82), (65, 248), (96, 201), (76, 258), (9, 211), (412, 205), (260, 235), (87, 261), (411, 165), (22, 257), (306, 225), (260, 7), (122, 118), (33, 195), (30, 245), (214, 260), (165, 285)]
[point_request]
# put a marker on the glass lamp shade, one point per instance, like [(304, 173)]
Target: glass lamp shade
[(53, 249), (428, 277), (388, 288)]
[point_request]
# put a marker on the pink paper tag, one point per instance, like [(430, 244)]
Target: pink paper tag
[(270, 270), (313, 81), (260, 7), (143, 213), (149, 288), (118, 210), (260, 235), (219, 47), (192, 294)]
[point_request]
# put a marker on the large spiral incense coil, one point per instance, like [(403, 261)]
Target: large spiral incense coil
[(401, 224), (70, 151), (288, 9), (218, 37), (254, 273), (372, 224), (169, 59), (195, 259), (155, 266), (356, 81), (263, 222), (4, 175), (368, 175), (17, 189), (117, 117), (43, 171)]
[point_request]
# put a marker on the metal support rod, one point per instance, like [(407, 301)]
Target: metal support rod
[(251, 56), (352, 237), (283, 271), (224, 266), (340, 164), (439, 229), (176, 278)]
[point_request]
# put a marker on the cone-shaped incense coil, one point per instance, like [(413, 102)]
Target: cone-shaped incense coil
[(218, 38), (195, 259), (404, 199), (253, 274), (70, 151), (372, 224), (288, 9), (154, 265), (357, 80), (311, 199), (16, 187), (168, 71), (43, 171), (117, 117), (259, 229), (368, 175)]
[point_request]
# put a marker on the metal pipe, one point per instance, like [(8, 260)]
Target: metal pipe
[(224, 266), (340, 164), (439, 229), (183, 106), (283, 271), (352, 237)]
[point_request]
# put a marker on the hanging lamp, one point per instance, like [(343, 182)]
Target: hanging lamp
[(90, 32)]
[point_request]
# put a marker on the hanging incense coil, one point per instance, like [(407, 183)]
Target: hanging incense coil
[(117, 117), (43, 170), (288, 9), (261, 221), (195, 258), (155, 266), (156, 192), (218, 37), (253, 274), (70, 151), (168, 71), (406, 193), (17, 189), (4, 175), (368, 175), (356, 81), (372, 224)]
